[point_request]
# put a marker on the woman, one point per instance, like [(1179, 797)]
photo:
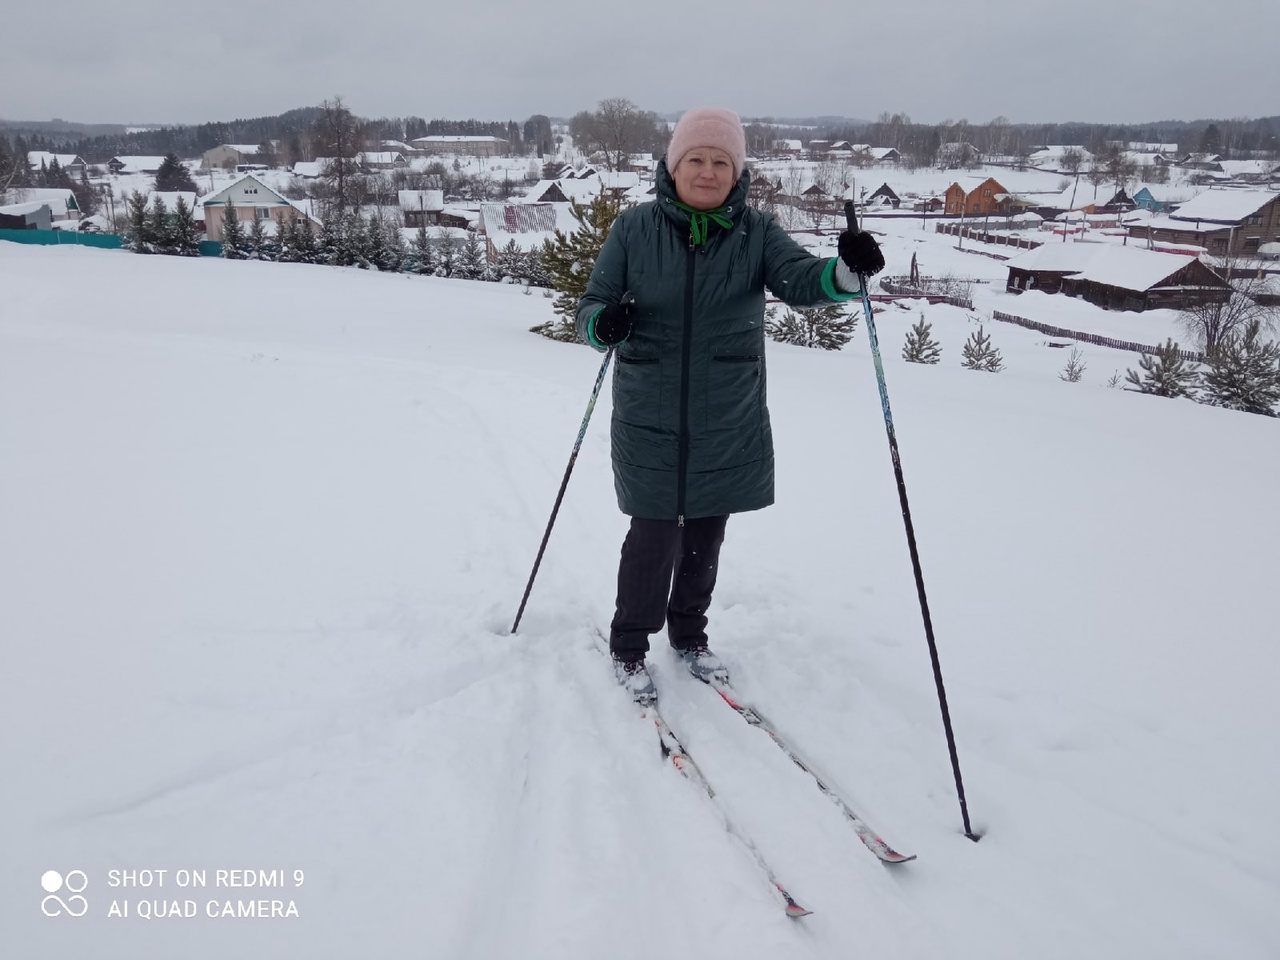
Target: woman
[(679, 288)]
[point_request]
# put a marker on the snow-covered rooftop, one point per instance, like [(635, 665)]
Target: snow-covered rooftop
[(1130, 268), (1225, 206)]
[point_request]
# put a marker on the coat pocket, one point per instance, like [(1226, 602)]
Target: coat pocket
[(735, 386), (637, 390)]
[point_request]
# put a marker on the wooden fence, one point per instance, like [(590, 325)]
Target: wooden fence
[(1093, 338), (1000, 239), (902, 287)]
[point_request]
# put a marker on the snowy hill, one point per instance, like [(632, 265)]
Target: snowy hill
[(265, 530)]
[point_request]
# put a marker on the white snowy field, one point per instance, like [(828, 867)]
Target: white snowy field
[(265, 529)]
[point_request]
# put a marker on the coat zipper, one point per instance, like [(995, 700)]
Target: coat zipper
[(684, 386)]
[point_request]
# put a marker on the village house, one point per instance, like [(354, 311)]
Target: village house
[(462, 146), (1230, 222), (525, 225), (248, 199), (1161, 197), (988, 198), (884, 197), (61, 202), (71, 163), (958, 154), (382, 160), (421, 208), (232, 156), (119, 165), (1116, 277)]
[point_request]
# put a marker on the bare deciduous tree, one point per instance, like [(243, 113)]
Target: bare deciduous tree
[(336, 134), (617, 129), (1212, 323)]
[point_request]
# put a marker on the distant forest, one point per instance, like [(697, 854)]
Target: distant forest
[(918, 143)]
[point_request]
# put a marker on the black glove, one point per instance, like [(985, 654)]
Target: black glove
[(613, 323), (861, 253)]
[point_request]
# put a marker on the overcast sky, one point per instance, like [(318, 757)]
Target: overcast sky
[(1107, 61)]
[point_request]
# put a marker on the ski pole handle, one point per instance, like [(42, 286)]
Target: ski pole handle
[(851, 218)]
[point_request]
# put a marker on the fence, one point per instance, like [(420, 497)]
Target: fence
[(902, 287), (103, 241), (1001, 239), (1093, 338)]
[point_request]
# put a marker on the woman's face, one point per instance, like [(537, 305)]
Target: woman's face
[(704, 177)]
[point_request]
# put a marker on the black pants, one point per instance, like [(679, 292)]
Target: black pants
[(666, 575)]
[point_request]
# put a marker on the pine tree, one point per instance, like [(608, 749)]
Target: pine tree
[(138, 234), (536, 270), (920, 347), (471, 259), (1166, 374), (569, 260), (980, 355), (422, 258), (306, 241), (510, 263), (825, 327), (174, 176), (186, 236), (392, 257), (259, 244), (446, 255), (375, 243), (329, 245), (233, 238), (286, 238), (1244, 374), (159, 227), (1073, 372), (355, 238)]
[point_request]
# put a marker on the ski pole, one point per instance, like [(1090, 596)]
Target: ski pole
[(851, 218), (573, 457)]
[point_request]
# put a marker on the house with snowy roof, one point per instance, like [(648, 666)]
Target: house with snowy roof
[(72, 163), (61, 201), (33, 215), (382, 160), (988, 198), (523, 226), (462, 146), (884, 196), (1226, 222), (1116, 277), (230, 156), (119, 165), (1260, 172), (249, 199), (1163, 197), (421, 208)]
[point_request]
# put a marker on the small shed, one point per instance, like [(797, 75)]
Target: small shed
[(34, 215)]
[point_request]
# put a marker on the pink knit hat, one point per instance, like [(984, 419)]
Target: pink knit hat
[(709, 127)]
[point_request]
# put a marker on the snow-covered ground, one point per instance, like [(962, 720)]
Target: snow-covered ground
[(266, 527)]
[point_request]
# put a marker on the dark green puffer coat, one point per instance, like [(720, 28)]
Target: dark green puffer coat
[(690, 433)]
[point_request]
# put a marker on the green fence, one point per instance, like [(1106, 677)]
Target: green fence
[(104, 241)]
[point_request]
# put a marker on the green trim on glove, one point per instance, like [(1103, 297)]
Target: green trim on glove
[(591, 330)]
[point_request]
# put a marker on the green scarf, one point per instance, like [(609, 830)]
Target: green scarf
[(698, 225)]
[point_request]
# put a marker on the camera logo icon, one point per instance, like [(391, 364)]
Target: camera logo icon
[(74, 883)]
